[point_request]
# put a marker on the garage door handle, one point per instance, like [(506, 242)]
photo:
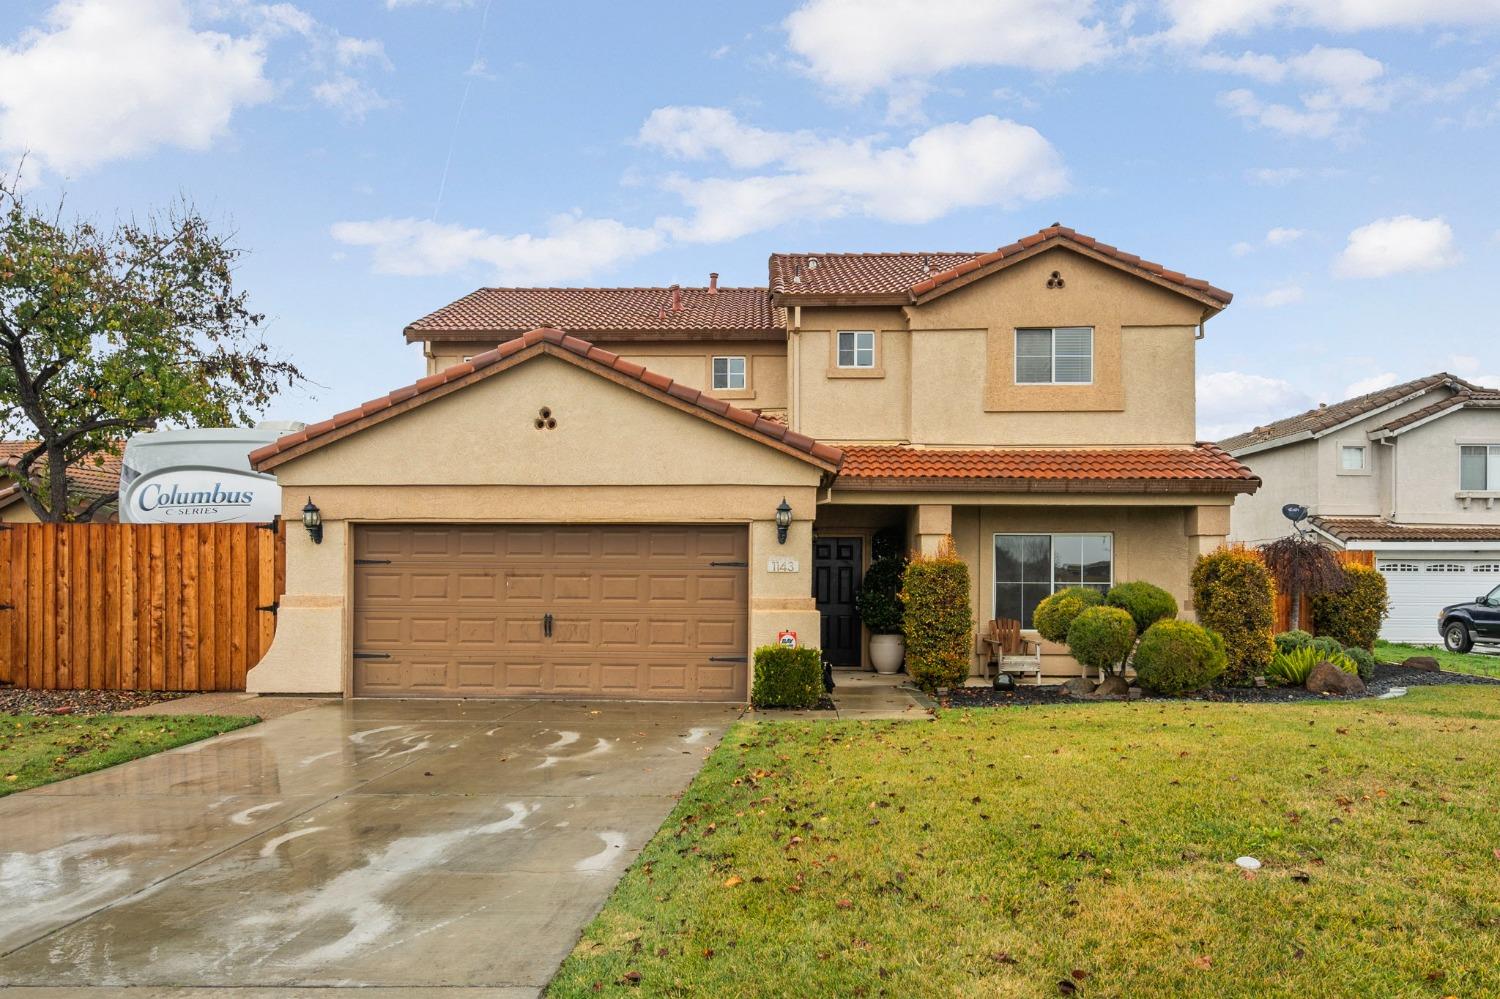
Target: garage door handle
[(729, 659), (372, 655), (547, 625), (372, 561), (729, 565)]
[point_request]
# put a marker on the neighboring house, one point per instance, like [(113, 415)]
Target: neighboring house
[(87, 482), (1411, 473), (590, 509)]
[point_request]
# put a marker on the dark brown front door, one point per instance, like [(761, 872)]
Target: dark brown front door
[(837, 568)]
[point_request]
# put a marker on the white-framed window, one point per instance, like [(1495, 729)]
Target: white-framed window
[(856, 348), (1030, 567), (1352, 458), (1400, 567), (1479, 468), (1061, 356), (729, 373), (1446, 567)]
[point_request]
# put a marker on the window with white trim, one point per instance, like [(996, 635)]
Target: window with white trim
[(1352, 458), (1485, 567), (1399, 567), (856, 348), (1060, 356), (1479, 468), (1030, 567), (729, 373), (1446, 567)]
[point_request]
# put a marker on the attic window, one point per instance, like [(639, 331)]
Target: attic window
[(1062, 356), (729, 373)]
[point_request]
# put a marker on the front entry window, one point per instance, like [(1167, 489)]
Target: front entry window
[(1030, 567)]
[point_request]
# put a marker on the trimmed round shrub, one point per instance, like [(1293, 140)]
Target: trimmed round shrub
[(879, 600), (1175, 657), (1233, 597), (1054, 615), (1326, 646), (1101, 637), (939, 625), (1145, 603), (1291, 641), (1364, 659), (1353, 613), (787, 678)]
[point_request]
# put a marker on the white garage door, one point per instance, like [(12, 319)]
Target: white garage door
[(1420, 587)]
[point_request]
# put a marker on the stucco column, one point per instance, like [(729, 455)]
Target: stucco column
[(781, 585), (934, 522), (309, 651), (1207, 527)]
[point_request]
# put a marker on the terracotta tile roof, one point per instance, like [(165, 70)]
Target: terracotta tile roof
[(913, 275), (1349, 529), (504, 313), (87, 481), (1463, 399), (1315, 421), (558, 344), (1202, 468)]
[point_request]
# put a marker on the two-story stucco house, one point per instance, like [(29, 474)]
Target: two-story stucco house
[(1411, 473), (581, 497)]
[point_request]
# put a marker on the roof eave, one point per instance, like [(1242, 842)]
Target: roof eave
[(1049, 486), (501, 335)]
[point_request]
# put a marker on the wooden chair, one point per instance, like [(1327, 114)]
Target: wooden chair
[(1010, 652)]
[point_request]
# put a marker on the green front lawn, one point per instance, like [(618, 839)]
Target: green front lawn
[(37, 749), (1454, 662), (1002, 852)]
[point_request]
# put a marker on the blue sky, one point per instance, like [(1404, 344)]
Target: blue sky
[(1332, 162)]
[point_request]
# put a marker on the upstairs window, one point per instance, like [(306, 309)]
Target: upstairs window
[(729, 373), (1062, 356), (1352, 458), (1479, 468), (856, 348)]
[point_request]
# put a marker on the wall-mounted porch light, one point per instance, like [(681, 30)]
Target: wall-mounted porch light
[(312, 519), (783, 520)]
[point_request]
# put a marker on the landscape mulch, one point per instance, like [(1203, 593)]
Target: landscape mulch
[(22, 701), (1385, 678)]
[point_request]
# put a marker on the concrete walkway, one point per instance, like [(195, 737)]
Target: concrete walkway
[(408, 848), (859, 696)]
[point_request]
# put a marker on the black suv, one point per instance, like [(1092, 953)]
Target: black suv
[(1465, 625)]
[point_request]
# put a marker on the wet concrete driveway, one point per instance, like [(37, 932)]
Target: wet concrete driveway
[(428, 847)]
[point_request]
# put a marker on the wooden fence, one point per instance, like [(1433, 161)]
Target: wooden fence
[(1284, 601), (137, 606)]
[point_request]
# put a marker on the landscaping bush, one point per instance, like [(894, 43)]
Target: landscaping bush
[(1327, 646), (1290, 669), (787, 678), (939, 624), (1364, 660), (1233, 597), (1101, 638), (1291, 641), (879, 600), (1353, 613), (1146, 604), (1302, 566), (1054, 615), (1175, 657)]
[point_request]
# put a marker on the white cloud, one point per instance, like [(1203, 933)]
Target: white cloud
[(110, 79), (1281, 118), (350, 97), (1197, 21), (853, 46), (1331, 81), (1281, 295), (1397, 245), (356, 51), (1230, 402), (1374, 383), (573, 247), (1468, 367), (1277, 236), (984, 162)]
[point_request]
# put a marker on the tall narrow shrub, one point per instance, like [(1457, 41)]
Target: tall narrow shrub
[(939, 623), (1352, 614), (1233, 596)]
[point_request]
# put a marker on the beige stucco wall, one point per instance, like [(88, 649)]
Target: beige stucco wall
[(17, 513), (615, 457), (1427, 469), (947, 367), (1288, 475)]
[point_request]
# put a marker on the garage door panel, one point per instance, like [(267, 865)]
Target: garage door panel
[(1418, 588)]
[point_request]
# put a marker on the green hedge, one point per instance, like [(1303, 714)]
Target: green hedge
[(939, 625), (787, 678), (1176, 657), (1352, 615), (1234, 597), (1054, 615)]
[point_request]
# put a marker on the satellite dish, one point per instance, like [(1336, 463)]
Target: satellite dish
[(1294, 512)]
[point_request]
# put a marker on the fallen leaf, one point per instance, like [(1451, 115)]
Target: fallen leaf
[(1203, 962), (733, 881), (1066, 988), (844, 903)]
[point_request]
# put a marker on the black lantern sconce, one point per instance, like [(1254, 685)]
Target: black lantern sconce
[(312, 519), (783, 521)]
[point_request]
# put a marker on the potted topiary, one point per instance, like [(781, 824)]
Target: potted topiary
[(880, 608)]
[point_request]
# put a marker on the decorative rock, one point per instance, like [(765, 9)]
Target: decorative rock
[(1113, 686), (1427, 664), (1248, 863), (1078, 686), (1326, 678)]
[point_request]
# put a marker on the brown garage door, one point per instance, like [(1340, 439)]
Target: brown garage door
[(585, 611)]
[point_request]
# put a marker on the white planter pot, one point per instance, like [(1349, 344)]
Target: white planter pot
[(886, 653)]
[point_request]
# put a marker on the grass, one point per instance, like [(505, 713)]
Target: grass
[(1454, 662), (1002, 852), (37, 750)]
